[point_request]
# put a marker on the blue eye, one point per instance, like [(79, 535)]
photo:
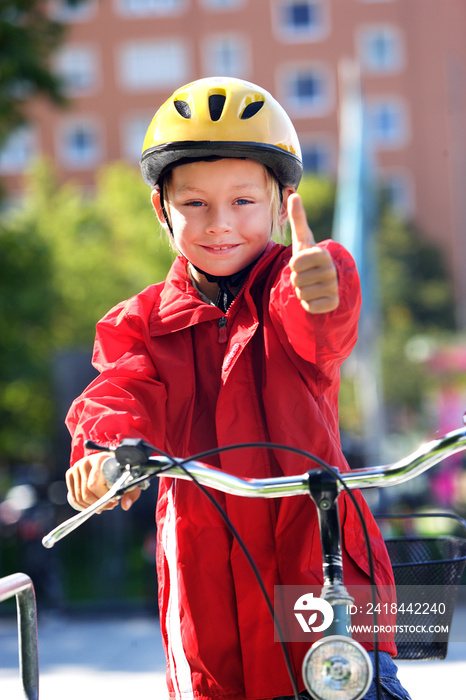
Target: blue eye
[(243, 201)]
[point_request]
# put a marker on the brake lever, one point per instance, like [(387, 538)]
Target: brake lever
[(116, 491)]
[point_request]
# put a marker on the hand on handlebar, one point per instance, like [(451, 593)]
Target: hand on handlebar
[(86, 484)]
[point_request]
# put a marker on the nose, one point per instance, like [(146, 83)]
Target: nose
[(218, 220)]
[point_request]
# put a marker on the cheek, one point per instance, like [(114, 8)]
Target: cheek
[(179, 225), (260, 227), (176, 234), (183, 237)]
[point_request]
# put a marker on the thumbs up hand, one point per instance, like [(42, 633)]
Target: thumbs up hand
[(313, 274)]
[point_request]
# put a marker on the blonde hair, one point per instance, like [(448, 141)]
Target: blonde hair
[(276, 203), (273, 190)]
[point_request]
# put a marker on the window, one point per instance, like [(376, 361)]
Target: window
[(381, 49), (306, 20), (318, 156), (77, 66), (223, 4), (153, 64), (18, 151), (388, 123), (226, 55), (69, 12), (80, 144), (133, 132), (307, 90), (150, 8)]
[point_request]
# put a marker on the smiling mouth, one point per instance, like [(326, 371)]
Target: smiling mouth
[(221, 247)]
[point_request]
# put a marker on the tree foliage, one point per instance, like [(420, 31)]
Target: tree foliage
[(27, 300), (104, 248), (417, 301), (27, 39), (65, 260)]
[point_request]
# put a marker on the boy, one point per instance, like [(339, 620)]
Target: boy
[(241, 343)]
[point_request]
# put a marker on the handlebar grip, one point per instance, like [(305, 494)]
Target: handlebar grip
[(111, 470)]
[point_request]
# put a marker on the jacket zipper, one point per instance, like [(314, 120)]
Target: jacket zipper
[(222, 323), (222, 330)]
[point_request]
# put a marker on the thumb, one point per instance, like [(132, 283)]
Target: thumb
[(301, 234)]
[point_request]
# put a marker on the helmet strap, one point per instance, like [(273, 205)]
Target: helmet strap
[(164, 211), (226, 283)]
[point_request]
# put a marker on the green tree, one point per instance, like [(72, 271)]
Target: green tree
[(66, 259), (413, 274), (28, 37), (26, 300), (104, 248), (417, 301)]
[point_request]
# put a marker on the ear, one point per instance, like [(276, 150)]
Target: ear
[(157, 204), (159, 210), (286, 192)]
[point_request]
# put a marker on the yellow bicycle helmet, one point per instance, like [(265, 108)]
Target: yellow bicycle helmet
[(223, 117)]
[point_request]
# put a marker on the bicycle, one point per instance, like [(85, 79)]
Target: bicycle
[(336, 667)]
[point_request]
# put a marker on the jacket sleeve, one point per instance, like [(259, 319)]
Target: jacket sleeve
[(325, 340), (126, 399)]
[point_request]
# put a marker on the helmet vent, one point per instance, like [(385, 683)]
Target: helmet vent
[(183, 108), (251, 109), (216, 104)]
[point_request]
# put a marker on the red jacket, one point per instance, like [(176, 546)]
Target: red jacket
[(174, 374)]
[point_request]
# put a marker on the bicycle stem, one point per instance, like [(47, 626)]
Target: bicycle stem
[(324, 491)]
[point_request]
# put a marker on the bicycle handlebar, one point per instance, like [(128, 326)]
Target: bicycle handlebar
[(428, 455), (425, 457)]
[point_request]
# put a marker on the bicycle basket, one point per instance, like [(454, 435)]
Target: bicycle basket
[(420, 566)]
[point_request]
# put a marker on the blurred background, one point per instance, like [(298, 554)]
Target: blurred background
[(377, 92)]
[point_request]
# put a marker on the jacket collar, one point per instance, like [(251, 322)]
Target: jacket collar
[(180, 306)]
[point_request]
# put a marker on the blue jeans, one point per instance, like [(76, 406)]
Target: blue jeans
[(390, 686)]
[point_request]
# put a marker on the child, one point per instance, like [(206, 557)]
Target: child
[(242, 343)]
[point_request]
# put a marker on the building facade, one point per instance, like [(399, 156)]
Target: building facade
[(122, 58)]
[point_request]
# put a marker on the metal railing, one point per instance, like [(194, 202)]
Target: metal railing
[(21, 586)]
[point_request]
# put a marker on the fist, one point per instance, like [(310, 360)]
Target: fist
[(86, 484), (313, 274)]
